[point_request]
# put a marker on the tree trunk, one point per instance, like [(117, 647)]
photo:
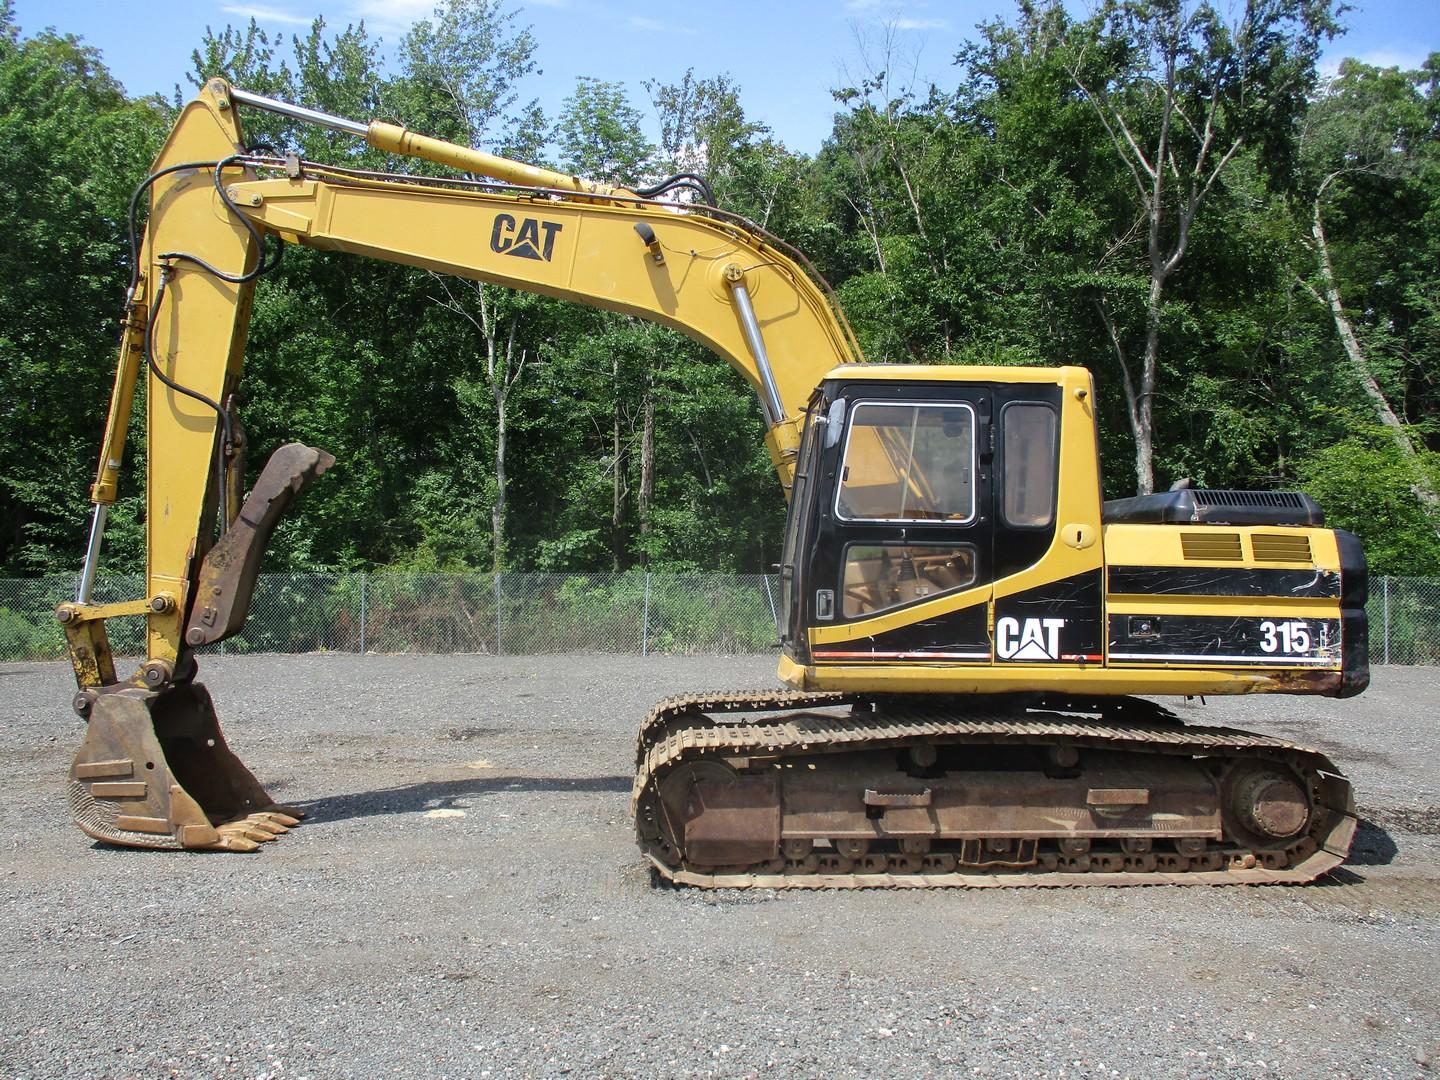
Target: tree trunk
[(497, 511), (647, 470), (617, 502), (503, 369), (1143, 412), (1421, 487)]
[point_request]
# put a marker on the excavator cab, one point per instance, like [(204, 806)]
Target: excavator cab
[(946, 535), (916, 491)]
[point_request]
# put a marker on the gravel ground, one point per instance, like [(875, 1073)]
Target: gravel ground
[(520, 934)]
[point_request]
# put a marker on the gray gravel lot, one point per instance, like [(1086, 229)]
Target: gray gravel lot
[(523, 937)]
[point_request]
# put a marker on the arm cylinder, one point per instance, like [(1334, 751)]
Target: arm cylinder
[(298, 112), (398, 140)]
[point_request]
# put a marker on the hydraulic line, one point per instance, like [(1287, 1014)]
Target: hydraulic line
[(167, 261)]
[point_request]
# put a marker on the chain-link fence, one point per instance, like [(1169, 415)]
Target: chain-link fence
[(1404, 620), (520, 614), (512, 614)]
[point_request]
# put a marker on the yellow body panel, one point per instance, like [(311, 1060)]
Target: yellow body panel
[(982, 679), (1068, 376), (1161, 545)]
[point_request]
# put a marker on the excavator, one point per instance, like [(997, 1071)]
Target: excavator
[(970, 636)]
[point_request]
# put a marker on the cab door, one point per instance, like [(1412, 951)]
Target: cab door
[(900, 561)]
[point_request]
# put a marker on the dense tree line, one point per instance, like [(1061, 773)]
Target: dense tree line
[(1244, 253)]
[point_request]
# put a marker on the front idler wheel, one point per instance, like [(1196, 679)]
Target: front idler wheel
[(1265, 803)]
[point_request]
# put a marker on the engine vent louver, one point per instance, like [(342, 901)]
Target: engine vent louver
[(1211, 546), (1278, 547), (1230, 497)]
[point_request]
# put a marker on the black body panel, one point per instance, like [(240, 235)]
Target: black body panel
[(1224, 640), (957, 635), (1215, 506), (1223, 581)]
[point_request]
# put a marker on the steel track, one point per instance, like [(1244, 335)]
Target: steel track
[(686, 729)]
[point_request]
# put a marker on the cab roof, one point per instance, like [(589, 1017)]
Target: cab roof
[(969, 373)]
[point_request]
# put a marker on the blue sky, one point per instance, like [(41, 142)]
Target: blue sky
[(786, 54)]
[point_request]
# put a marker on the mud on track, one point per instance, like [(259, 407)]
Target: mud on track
[(520, 935)]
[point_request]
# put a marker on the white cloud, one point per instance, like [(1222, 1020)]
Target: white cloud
[(655, 26), (866, 5), (267, 14), (392, 11), (389, 16), (1405, 59), (920, 24)]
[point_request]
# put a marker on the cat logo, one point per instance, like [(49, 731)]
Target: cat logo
[(524, 239), (1035, 639)]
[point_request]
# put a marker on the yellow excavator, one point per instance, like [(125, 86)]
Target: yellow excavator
[(966, 626)]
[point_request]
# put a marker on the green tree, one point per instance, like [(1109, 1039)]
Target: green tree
[(1371, 131), (460, 78), (72, 148), (598, 134), (460, 73), (1181, 92)]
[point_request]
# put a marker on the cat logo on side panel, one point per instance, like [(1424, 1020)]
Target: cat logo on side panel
[(1031, 639)]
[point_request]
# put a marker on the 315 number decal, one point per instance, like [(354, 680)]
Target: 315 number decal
[(1285, 637)]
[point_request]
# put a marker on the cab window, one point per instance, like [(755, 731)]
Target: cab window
[(908, 462), (883, 576)]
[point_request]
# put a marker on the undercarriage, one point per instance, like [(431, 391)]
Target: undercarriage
[(844, 791)]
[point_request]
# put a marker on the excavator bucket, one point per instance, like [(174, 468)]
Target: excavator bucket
[(154, 771)]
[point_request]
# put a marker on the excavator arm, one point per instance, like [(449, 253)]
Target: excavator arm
[(213, 206)]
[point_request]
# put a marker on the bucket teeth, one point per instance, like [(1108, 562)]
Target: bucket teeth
[(247, 829), (235, 842), (282, 815), (249, 832)]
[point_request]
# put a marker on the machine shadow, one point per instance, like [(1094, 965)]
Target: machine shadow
[(443, 794), (1373, 846)]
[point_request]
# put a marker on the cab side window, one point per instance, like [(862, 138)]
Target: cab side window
[(882, 576), (1028, 434)]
